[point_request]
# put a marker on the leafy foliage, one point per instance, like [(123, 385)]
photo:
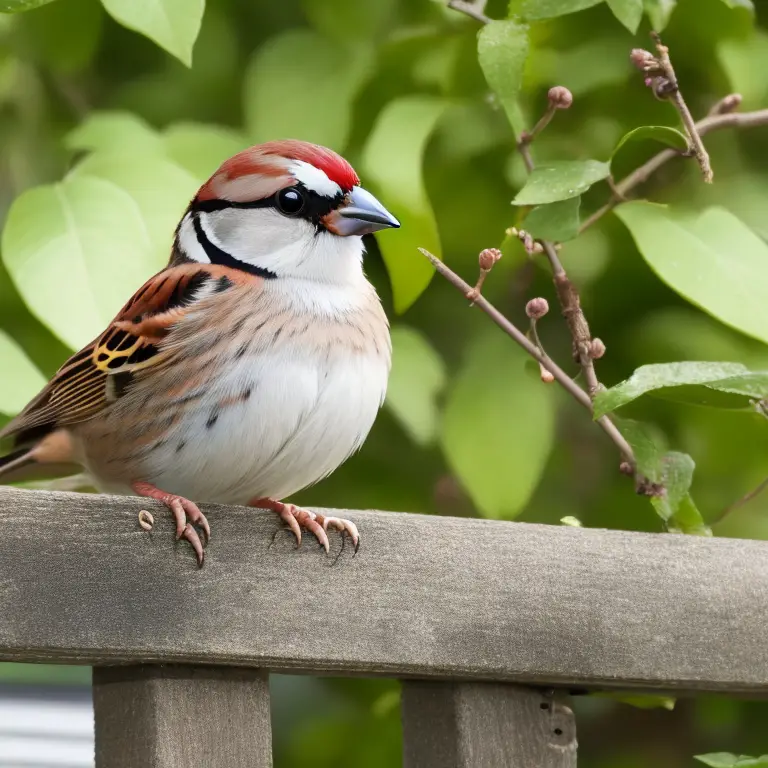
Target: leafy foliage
[(712, 259), (557, 221), (416, 381), (502, 49), (663, 133), (27, 381), (514, 434), (392, 160), (561, 181), (728, 760), (721, 385), (172, 24)]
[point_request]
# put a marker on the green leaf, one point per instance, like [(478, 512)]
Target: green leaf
[(663, 133), (639, 700), (628, 12), (416, 381), (715, 261), (653, 377), (672, 470), (728, 760), (157, 188), (14, 6), (172, 24), (86, 234), (556, 221), (502, 48), (575, 68), (122, 131), (561, 180), (26, 381), (571, 521), (346, 20), (746, 4), (200, 148), (320, 105), (498, 426), (744, 61), (677, 477), (392, 164), (659, 12), (548, 9), (719, 385), (64, 35)]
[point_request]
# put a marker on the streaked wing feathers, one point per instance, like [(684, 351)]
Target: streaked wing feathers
[(99, 373)]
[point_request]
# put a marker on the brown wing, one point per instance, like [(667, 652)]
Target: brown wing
[(100, 373)]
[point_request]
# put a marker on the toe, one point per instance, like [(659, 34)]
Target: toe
[(191, 535), (289, 518), (196, 517), (308, 520), (345, 526), (176, 506)]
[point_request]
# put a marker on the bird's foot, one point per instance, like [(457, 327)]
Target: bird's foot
[(186, 514), (297, 518)]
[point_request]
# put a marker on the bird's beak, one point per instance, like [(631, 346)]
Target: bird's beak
[(360, 214)]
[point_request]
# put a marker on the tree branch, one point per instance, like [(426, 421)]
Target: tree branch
[(562, 378), (671, 90), (640, 175)]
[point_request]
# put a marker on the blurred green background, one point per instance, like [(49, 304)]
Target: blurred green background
[(125, 132)]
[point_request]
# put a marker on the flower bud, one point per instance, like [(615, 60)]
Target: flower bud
[(537, 308), (643, 60), (596, 349), (727, 104), (560, 97), (546, 376), (488, 257)]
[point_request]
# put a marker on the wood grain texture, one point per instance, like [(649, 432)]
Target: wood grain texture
[(81, 582), (485, 725), (177, 717)]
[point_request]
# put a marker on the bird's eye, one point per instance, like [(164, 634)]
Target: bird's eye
[(290, 201)]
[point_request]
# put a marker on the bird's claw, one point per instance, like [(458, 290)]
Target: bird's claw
[(297, 518), (186, 515), (342, 525)]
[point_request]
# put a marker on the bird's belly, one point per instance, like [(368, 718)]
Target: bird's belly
[(270, 426)]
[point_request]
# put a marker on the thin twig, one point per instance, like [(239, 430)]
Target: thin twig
[(673, 92), (569, 299), (703, 127), (522, 340), (473, 9), (741, 502)]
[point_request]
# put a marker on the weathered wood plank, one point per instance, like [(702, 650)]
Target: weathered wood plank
[(425, 597), (485, 725), (176, 717)]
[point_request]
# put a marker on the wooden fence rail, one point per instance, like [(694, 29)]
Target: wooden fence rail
[(457, 602)]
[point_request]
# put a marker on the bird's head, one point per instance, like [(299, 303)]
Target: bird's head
[(283, 209)]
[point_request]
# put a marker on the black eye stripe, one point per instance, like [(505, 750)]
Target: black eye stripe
[(210, 206), (316, 206)]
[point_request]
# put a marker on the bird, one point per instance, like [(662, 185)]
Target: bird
[(249, 368)]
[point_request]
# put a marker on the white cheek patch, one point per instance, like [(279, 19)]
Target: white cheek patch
[(314, 179), (189, 243)]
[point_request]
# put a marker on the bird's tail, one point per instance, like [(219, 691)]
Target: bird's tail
[(14, 464), (50, 457)]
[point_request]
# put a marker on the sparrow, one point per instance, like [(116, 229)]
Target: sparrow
[(249, 368)]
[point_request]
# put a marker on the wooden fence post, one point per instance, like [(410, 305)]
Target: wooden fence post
[(181, 716), (485, 725)]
